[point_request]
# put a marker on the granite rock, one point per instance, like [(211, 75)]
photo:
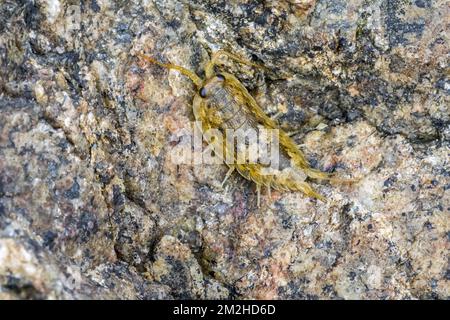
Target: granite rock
[(92, 204)]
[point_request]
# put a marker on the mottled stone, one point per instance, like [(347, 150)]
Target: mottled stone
[(93, 206)]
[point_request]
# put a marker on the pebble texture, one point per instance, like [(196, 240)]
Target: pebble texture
[(92, 206)]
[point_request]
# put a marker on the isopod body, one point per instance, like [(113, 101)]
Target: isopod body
[(222, 103)]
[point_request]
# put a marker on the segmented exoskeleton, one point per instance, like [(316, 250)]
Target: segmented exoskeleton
[(222, 102)]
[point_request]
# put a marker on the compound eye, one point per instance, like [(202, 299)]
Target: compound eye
[(220, 77), (202, 92)]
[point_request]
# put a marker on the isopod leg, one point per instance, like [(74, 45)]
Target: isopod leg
[(269, 191), (228, 174), (293, 133), (209, 69)]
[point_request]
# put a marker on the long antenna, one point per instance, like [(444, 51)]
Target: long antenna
[(191, 75)]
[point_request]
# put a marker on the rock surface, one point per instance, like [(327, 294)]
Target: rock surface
[(92, 206)]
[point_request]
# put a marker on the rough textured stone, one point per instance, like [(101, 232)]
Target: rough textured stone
[(92, 206)]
